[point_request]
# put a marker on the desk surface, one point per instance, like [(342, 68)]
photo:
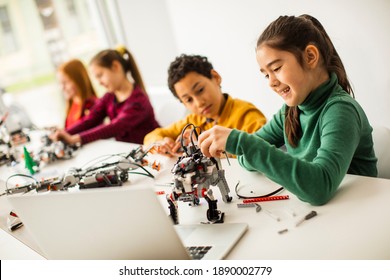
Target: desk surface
[(353, 225)]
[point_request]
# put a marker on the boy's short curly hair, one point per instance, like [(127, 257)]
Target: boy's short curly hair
[(184, 64)]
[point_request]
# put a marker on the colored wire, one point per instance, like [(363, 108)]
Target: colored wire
[(100, 159), (260, 196), (144, 169), (19, 175), (192, 140)]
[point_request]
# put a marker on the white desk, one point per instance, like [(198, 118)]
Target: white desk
[(355, 224)]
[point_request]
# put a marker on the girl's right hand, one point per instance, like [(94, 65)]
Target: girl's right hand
[(212, 142), (62, 135)]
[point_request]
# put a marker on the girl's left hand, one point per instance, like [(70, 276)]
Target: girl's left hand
[(212, 142)]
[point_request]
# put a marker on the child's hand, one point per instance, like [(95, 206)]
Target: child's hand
[(51, 129), (55, 135), (167, 147), (212, 142), (62, 135)]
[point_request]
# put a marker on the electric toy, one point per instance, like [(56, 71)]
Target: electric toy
[(193, 174), (108, 174)]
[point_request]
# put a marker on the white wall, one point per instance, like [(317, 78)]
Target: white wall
[(226, 31), (149, 37)]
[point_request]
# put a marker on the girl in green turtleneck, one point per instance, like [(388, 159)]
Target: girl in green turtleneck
[(325, 131)]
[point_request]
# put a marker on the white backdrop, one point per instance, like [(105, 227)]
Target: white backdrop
[(226, 32)]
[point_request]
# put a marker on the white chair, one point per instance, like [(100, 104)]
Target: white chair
[(167, 108), (170, 111), (381, 138)]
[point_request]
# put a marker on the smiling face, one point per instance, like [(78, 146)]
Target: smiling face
[(201, 95), (285, 75)]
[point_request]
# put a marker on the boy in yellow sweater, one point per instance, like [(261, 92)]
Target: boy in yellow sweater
[(192, 80)]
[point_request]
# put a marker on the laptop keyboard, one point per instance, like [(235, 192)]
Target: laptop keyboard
[(198, 252)]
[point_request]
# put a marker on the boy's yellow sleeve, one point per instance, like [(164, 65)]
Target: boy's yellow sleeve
[(171, 131)]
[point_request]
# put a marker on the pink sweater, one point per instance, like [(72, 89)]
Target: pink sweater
[(130, 120)]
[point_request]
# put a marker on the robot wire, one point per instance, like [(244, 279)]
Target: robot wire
[(36, 184), (260, 196), (191, 138), (8, 191), (99, 157), (144, 169)]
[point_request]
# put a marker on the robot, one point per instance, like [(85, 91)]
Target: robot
[(138, 155), (54, 150), (8, 154), (193, 175), (109, 174), (105, 175), (53, 183)]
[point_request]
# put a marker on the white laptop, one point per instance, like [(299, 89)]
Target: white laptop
[(116, 223)]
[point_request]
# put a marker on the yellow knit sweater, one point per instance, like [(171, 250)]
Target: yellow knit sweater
[(237, 113)]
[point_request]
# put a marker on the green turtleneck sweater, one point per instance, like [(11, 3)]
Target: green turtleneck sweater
[(336, 140)]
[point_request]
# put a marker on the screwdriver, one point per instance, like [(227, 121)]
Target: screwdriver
[(307, 217)]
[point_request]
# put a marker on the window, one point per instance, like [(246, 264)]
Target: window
[(71, 7), (9, 42), (35, 37)]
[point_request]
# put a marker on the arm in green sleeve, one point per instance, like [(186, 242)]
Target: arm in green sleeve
[(314, 181)]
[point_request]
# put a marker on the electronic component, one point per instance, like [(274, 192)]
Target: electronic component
[(104, 175), (268, 198), (54, 150), (193, 175)]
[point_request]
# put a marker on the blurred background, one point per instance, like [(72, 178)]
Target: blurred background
[(37, 35)]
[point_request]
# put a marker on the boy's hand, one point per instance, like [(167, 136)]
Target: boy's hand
[(167, 147)]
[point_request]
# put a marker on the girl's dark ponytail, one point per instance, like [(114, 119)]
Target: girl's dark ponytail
[(292, 125)]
